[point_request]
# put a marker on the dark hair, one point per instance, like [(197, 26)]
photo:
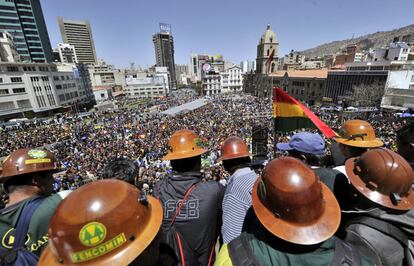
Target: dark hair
[(237, 163), (311, 159), (186, 164), (21, 180), (122, 169), (406, 134)]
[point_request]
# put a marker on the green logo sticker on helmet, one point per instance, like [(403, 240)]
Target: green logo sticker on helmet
[(37, 154), (199, 142), (92, 234)]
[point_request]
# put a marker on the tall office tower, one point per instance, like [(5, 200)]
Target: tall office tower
[(164, 52), (24, 20), (79, 34)]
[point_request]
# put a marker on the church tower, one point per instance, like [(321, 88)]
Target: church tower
[(268, 43)]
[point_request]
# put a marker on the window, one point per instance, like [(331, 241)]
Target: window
[(412, 78), (102, 95), (1, 80), (61, 97), (7, 8), (4, 91), (7, 14), (12, 21), (24, 104), (26, 13), (12, 69), (411, 87), (16, 79), (19, 90), (6, 106)]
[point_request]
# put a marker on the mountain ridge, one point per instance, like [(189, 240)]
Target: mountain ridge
[(371, 40)]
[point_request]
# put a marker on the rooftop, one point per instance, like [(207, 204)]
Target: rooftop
[(312, 73)]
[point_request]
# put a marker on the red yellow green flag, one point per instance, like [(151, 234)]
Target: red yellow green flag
[(290, 115)]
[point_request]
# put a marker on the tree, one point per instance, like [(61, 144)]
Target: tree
[(367, 95)]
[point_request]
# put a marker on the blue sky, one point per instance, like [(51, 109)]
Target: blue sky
[(123, 29)]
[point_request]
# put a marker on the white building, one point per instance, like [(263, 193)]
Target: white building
[(39, 89), (165, 74), (149, 87), (394, 52), (8, 52), (102, 95), (235, 79), (221, 82), (103, 75), (67, 53), (211, 84), (399, 89)]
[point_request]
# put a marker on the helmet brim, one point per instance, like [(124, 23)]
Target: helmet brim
[(360, 143), (406, 203), (182, 155), (309, 234), (127, 254)]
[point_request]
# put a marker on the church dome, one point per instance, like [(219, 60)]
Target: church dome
[(268, 36)]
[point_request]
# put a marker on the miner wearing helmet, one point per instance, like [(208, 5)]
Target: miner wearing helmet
[(378, 206), (95, 226), (355, 138), (297, 216), (27, 178), (191, 205), (237, 200)]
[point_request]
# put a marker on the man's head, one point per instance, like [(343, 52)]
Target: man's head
[(291, 203), (122, 169), (104, 228), (29, 169), (356, 137), (234, 154), (185, 149), (405, 142), (306, 146), (383, 177)]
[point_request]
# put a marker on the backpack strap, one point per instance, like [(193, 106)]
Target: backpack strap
[(241, 253), (345, 254), (384, 227), (389, 230), (178, 210), (24, 220)]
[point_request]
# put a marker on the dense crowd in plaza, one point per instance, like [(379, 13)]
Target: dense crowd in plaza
[(86, 144)]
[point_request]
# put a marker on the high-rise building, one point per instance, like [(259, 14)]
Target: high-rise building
[(24, 20), (268, 43), (164, 53), (79, 34)]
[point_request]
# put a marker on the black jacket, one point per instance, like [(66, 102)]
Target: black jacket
[(200, 216)]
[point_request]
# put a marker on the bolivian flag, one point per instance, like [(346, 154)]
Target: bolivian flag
[(290, 114)]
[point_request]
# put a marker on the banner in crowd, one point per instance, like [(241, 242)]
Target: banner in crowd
[(290, 115)]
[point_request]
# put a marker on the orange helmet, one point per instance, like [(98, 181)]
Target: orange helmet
[(291, 202), (384, 177), (358, 133), (95, 226), (184, 144), (26, 161), (234, 147)]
